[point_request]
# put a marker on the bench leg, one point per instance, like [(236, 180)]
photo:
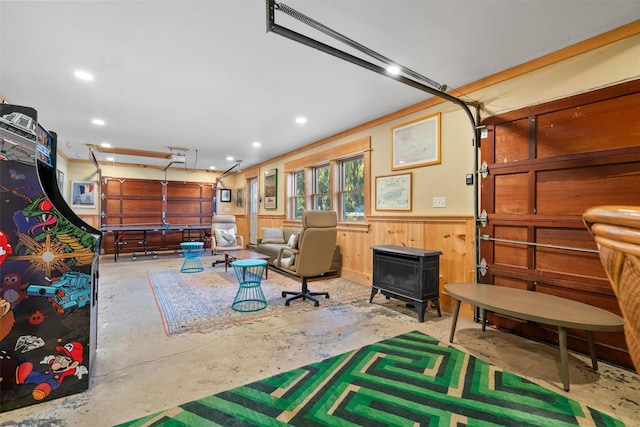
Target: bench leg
[(454, 320), (564, 357), (483, 319), (592, 350)]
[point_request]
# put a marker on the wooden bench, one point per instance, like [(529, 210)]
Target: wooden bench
[(536, 307)]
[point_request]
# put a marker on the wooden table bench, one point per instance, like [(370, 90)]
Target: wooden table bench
[(536, 307)]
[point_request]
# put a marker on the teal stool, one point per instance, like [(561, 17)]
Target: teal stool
[(249, 273), (191, 251)]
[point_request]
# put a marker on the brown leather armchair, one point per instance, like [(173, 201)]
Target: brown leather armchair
[(616, 230), (313, 254)]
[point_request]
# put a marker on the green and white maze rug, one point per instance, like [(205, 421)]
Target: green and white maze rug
[(408, 380)]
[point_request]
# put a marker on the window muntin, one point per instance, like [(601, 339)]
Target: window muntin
[(297, 199), (352, 189), (321, 197)]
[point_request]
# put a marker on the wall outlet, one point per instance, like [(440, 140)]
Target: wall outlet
[(439, 202)]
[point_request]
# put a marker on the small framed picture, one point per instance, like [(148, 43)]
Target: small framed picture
[(393, 192), (83, 194), (271, 189), (225, 195), (61, 182), (239, 197)]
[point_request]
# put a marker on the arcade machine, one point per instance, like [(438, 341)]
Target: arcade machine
[(48, 271)]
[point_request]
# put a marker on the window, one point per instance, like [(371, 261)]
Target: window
[(297, 199), (335, 179), (352, 189), (321, 188)]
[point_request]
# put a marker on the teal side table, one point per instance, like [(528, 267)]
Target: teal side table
[(250, 296), (191, 251)]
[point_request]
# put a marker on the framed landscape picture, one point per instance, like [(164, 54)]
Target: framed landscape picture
[(225, 195), (416, 143), (393, 192)]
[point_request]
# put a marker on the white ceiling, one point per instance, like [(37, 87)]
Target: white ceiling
[(206, 76)]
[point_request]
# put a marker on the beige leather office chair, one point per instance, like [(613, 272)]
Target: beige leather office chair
[(616, 230), (313, 255), (224, 234)]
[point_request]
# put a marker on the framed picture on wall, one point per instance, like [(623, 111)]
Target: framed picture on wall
[(83, 194), (393, 192), (225, 195), (416, 143), (239, 197), (61, 182), (271, 189)]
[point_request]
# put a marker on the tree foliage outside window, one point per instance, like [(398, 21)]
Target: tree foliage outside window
[(352, 191), (298, 194), (322, 188)]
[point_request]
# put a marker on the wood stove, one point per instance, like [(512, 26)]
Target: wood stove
[(408, 274)]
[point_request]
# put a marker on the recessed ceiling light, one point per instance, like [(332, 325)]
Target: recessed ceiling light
[(301, 120), (256, 144), (394, 70), (229, 158), (83, 75), (105, 144), (110, 159), (212, 168), (98, 122)]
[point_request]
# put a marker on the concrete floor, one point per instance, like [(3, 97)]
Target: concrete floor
[(139, 370)]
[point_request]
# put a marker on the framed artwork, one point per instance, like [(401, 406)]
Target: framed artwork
[(225, 195), (394, 192), (271, 189), (61, 182), (416, 143), (83, 194), (239, 198)]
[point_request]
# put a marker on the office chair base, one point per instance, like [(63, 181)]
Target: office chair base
[(304, 295)]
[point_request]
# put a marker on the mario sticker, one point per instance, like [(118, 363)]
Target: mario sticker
[(66, 363), (5, 247)]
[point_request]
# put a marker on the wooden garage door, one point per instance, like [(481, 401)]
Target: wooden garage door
[(546, 165), (128, 201)]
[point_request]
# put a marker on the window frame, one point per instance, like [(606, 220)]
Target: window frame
[(333, 156)]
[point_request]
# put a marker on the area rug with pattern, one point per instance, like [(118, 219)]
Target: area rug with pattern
[(201, 302), (408, 380)]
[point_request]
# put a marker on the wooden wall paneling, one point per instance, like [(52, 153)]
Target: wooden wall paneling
[(272, 221), (607, 124), (242, 224), (580, 152), (507, 253), (566, 261), (572, 190), (511, 143), (355, 252)]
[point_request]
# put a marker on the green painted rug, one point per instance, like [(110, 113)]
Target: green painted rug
[(408, 380)]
